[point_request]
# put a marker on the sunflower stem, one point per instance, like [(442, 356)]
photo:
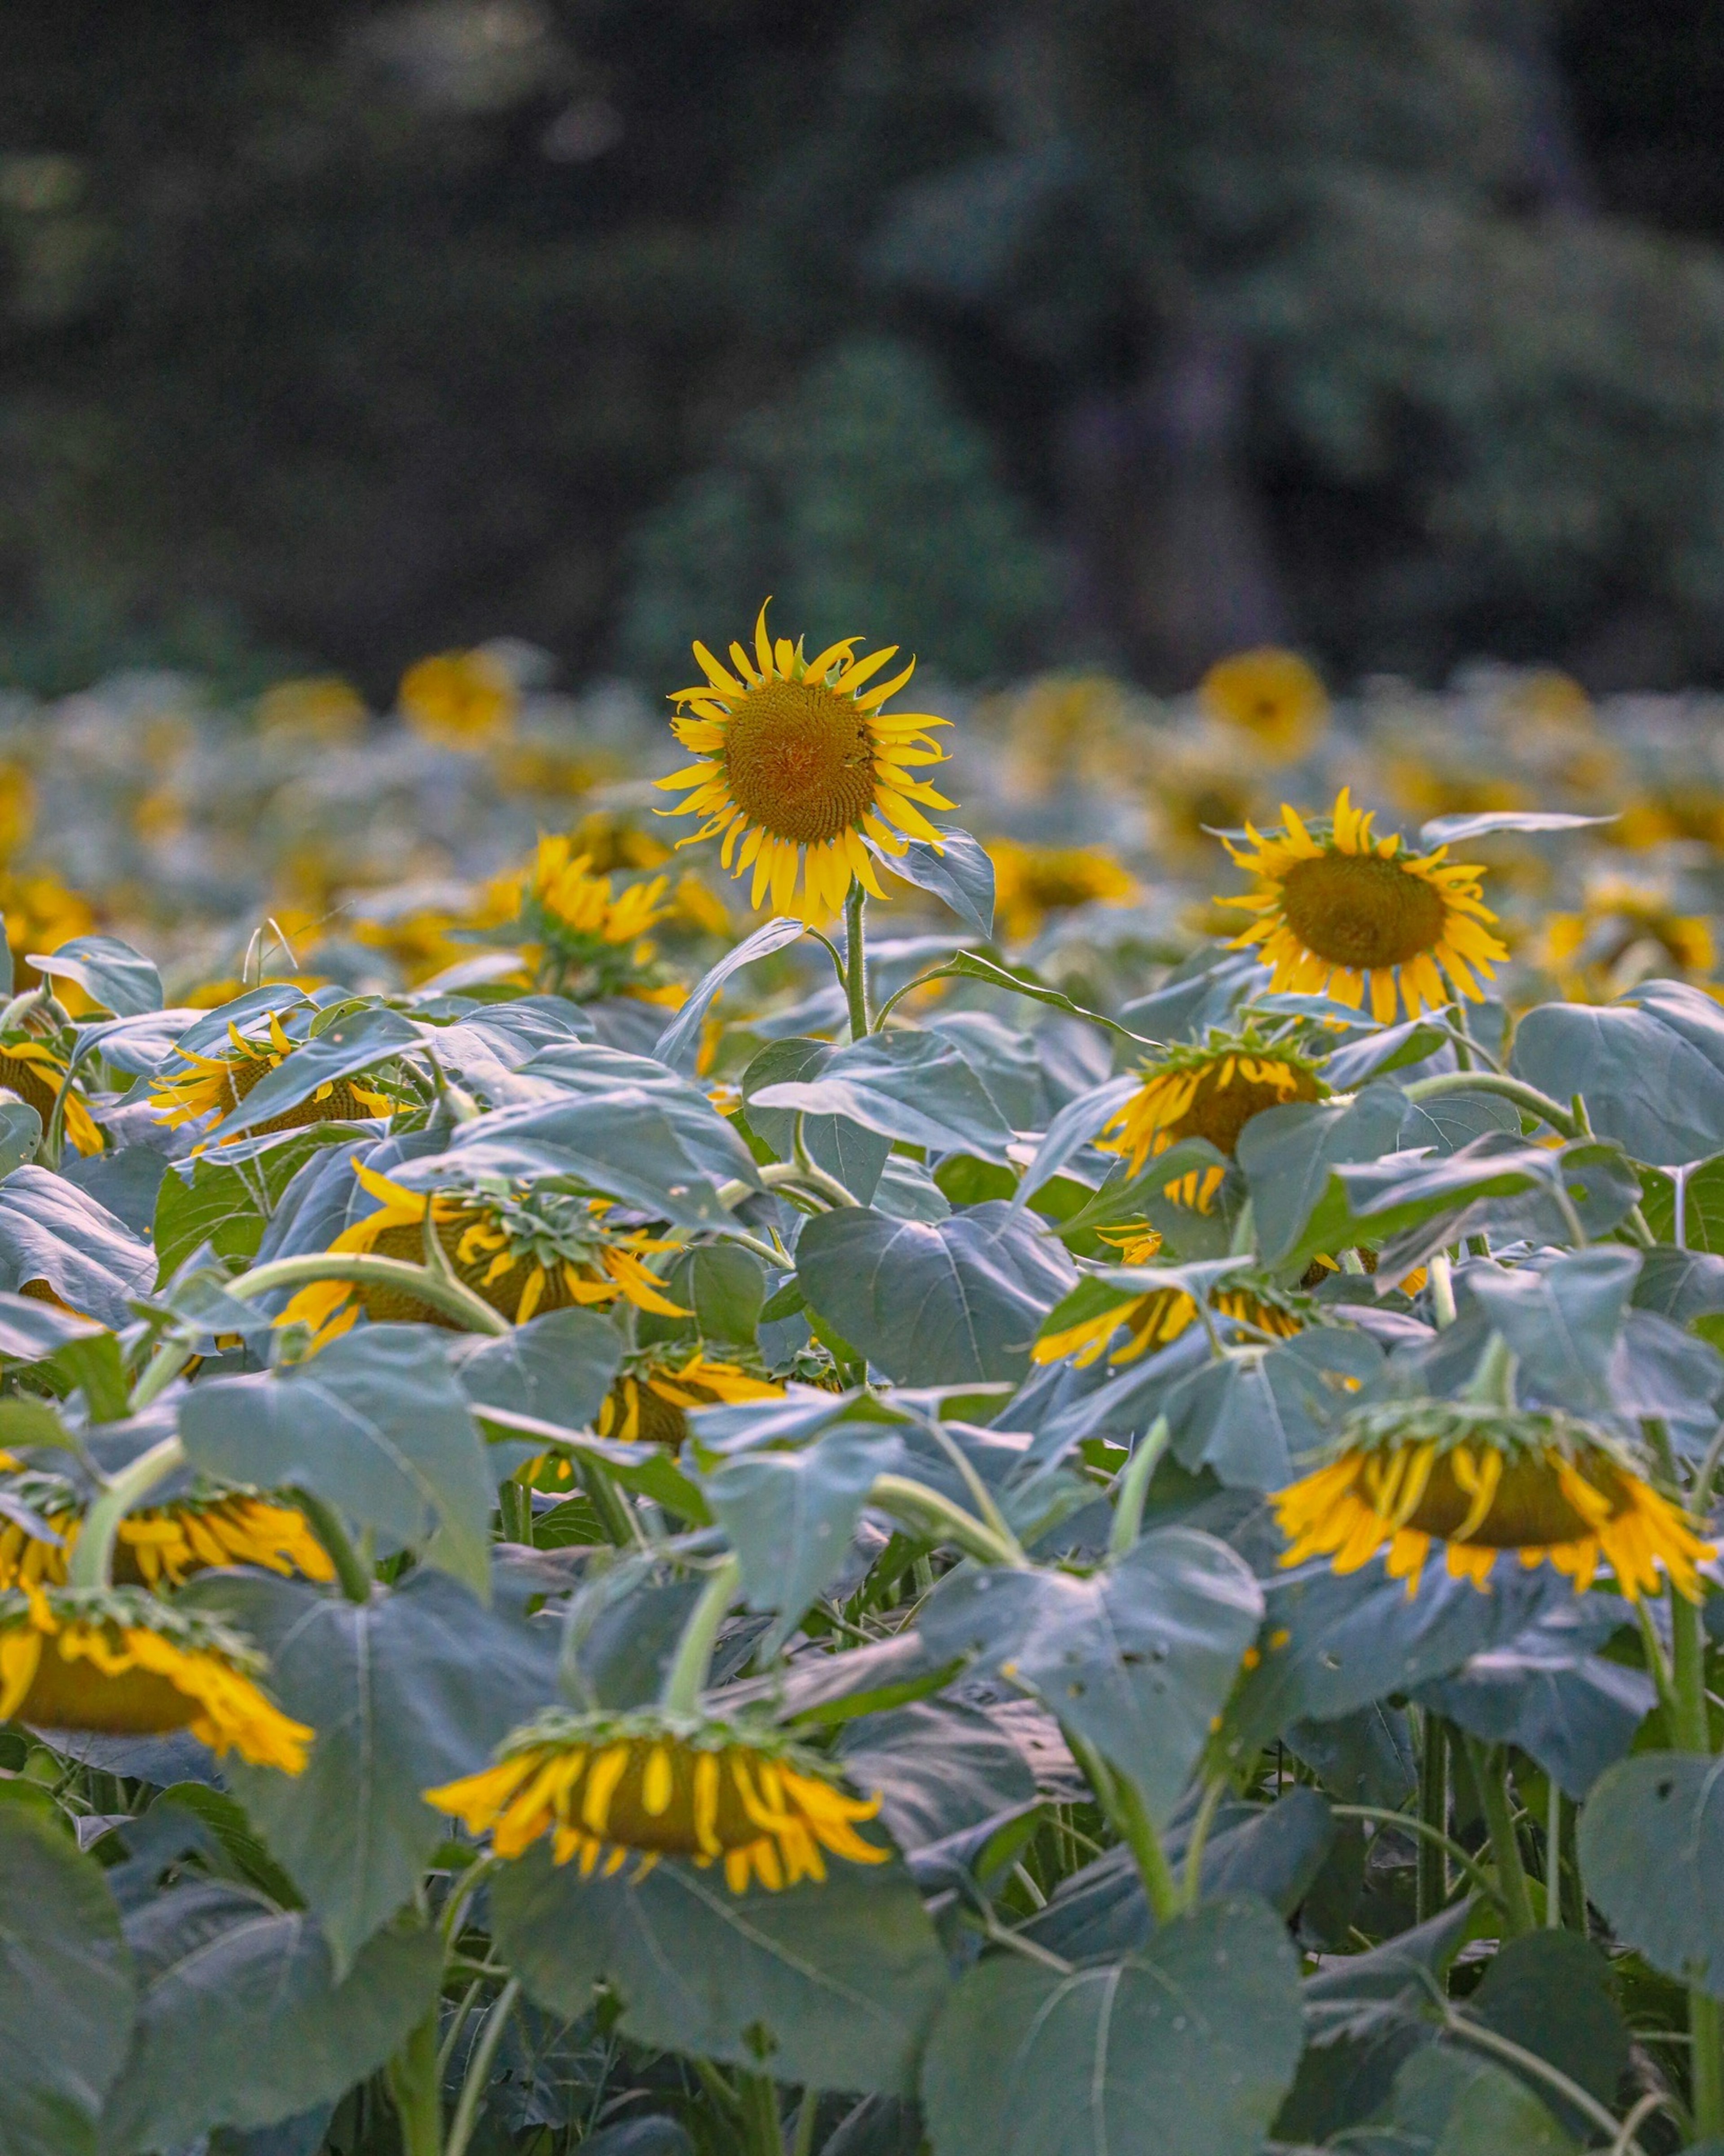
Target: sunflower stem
[(1135, 1479), (1490, 1766), (1119, 1799), (364, 1268), (479, 2067), (1553, 1857), (692, 1664), (351, 1570), (92, 1558), (515, 1512), (1496, 1081), (1492, 1383), (416, 2087), (927, 1512), (856, 961), (1442, 1285), (1432, 1879), (1210, 1803), (760, 2123)]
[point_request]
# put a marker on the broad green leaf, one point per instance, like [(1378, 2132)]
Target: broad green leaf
[(934, 1303), (1680, 1285), (1562, 1321), (126, 1180), (1202, 991), (1137, 1659), (938, 1766), (724, 1287), (242, 2020), (679, 1043), (32, 1330), (1078, 1124), (20, 1132), (1651, 1070), (790, 1516), (224, 1204), (1652, 1852), (413, 1689), (558, 1368), (49, 1230), (915, 1088), (351, 1045), (1288, 1153), (376, 1425), (109, 973), (67, 1994), (844, 1149), (1449, 2101), (958, 870), (1550, 1993), (1457, 830), (832, 1984), (1185, 2048)]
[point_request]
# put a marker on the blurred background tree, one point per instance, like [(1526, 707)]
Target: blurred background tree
[(1021, 330)]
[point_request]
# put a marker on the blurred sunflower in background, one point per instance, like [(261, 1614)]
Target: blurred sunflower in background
[(605, 1787), (459, 699), (1209, 1090), (1274, 697), (41, 915), (1192, 793), (1480, 1482), (1032, 882), (221, 1082), (165, 1544), (325, 709), (1347, 914), (1625, 932), (800, 766), (36, 1073)]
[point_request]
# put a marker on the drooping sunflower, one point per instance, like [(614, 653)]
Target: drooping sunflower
[(1156, 1319), (524, 1252), (648, 1403), (221, 1082), (166, 1543), (799, 765), (119, 1660), (1273, 695), (1031, 882), (654, 1783), (36, 1072), (1482, 1481), (1625, 932), (1345, 913), (588, 938), (1210, 1090)]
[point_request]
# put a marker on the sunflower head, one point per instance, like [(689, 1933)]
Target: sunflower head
[(221, 1082), (322, 709), (461, 699), (118, 1661), (1343, 911), (1192, 795), (164, 1545), (799, 765), (1270, 695), (648, 1403), (17, 810), (1031, 882), (525, 1251), (36, 1072), (41, 914), (1626, 932), (1093, 1318), (653, 1783), (1209, 1090), (1481, 1480)]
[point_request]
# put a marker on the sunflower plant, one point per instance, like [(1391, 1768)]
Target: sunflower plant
[(939, 1557)]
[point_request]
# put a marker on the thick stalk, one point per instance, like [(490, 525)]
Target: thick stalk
[(514, 1508), (1490, 1766), (92, 1556), (761, 2121), (159, 1373), (1432, 1880), (1553, 1858), (416, 2087), (351, 1570), (925, 1512), (856, 961), (1492, 1384), (366, 1270), (1135, 1479), (1119, 1799), (1692, 1733), (686, 1678), (479, 2068)]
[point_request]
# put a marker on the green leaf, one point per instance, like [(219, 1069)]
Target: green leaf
[(1078, 1124), (830, 1984), (1018, 981), (355, 1044), (109, 973), (413, 1689), (1550, 1993), (679, 1045), (376, 1425), (224, 1204), (20, 1132), (1563, 1321), (1680, 1285), (1652, 1852), (1185, 2048), (30, 1331), (958, 870), (934, 1303), (67, 1995), (1651, 1070), (1287, 1154), (938, 1766), (558, 1368), (243, 2020), (789, 1515), (725, 1289), (1702, 1187), (49, 1230), (913, 1088), (1448, 2102), (844, 1149), (1138, 1658), (1457, 830)]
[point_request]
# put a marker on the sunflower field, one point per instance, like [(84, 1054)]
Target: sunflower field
[(828, 1428)]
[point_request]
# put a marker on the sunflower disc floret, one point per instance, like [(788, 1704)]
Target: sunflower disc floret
[(652, 1783), (800, 767), (221, 1082), (37, 1074), (1209, 1090), (1482, 1482), (120, 1662)]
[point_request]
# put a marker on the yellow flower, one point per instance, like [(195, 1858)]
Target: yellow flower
[(1693, 812), (1271, 694), (1482, 1481), (649, 1402), (1212, 1092), (169, 1542), (1031, 882), (221, 1082), (1192, 795), (41, 914), (1345, 912), (17, 810), (1625, 933), (798, 764), (653, 1783), (459, 698), (1423, 788), (419, 944), (36, 1072), (1066, 729), (118, 1661), (523, 1252), (322, 708), (1156, 1319)]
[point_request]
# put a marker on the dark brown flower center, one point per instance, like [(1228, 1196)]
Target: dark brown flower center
[(1528, 1510), (1220, 1112), (799, 760), (1361, 911)]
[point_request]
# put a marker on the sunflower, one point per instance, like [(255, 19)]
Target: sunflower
[(1271, 694), (168, 1543), (1625, 932), (36, 1072), (1211, 1091), (41, 914), (118, 1661), (323, 709), (1694, 812), (523, 1252), (589, 939), (221, 1082), (1031, 882), (17, 809), (605, 1786), (461, 699), (1344, 912), (1194, 794), (649, 1403), (1158, 1319), (1482, 1481), (799, 763)]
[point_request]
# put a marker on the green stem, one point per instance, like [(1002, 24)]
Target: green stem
[(686, 1678), (1486, 2039), (158, 1373), (1432, 1881), (1119, 1798), (479, 2066), (1489, 1769), (1207, 1809), (806, 2111), (1135, 1479), (909, 988), (1421, 1831), (1442, 1282), (92, 1557), (621, 1530), (354, 1574), (923, 1510), (1492, 1384), (810, 1173), (514, 1508), (417, 2089), (1510, 1089), (856, 961), (1553, 1857), (760, 2123), (366, 1270), (1692, 1733)]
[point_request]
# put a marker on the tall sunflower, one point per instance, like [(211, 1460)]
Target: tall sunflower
[(221, 1082), (524, 1252), (1482, 1481), (799, 765), (656, 1783), (1345, 912), (1209, 1090), (588, 938)]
